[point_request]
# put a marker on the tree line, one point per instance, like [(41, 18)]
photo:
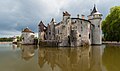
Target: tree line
[(6, 39)]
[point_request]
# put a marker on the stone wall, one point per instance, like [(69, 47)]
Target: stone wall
[(27, 38)]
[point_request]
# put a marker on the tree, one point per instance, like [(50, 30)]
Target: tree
[(111, 25), (19, 38)]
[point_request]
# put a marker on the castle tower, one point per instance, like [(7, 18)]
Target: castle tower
[(96, 32), (52, 29), (41, 31), (66, 16)]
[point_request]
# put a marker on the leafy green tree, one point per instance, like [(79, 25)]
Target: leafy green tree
[(19, 38), (111, 25)]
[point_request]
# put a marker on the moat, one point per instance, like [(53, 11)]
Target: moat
[(34, 58)]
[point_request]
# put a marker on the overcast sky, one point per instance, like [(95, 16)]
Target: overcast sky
[(18, 14)]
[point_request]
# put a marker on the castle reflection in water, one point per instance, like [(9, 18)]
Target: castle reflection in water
[(70, 59), (65, 59)]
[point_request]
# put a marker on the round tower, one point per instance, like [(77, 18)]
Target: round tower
[(96, 31)]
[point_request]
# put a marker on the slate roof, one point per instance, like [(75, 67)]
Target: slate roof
[(42, 27), (82, 19), (94, 10)]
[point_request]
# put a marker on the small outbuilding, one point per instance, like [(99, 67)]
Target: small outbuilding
[(27, 36)]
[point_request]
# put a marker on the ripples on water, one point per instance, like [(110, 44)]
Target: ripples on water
[(34, 58)]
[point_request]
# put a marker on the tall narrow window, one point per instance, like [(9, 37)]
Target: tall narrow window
[(89, 36), (58, 31), (81, 28)]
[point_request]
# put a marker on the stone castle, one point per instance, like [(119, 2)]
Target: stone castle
[(73, 31)]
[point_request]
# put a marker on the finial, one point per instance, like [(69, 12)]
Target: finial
[(94, 5), (94, 10)]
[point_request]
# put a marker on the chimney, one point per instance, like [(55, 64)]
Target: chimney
[(78, 16), (83, 16)]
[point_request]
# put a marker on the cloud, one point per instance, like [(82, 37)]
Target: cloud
[(18, 14)]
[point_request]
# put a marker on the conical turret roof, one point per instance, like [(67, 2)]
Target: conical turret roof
[(94, 10)]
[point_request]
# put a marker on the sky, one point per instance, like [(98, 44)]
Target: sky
[(16, 15)]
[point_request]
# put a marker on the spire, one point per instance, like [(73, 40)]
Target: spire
[(94, 10)]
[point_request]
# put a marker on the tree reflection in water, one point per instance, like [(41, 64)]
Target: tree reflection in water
[(70, 59), (111, 58)]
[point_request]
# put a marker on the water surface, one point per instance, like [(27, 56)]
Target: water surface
[(34, 58)]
